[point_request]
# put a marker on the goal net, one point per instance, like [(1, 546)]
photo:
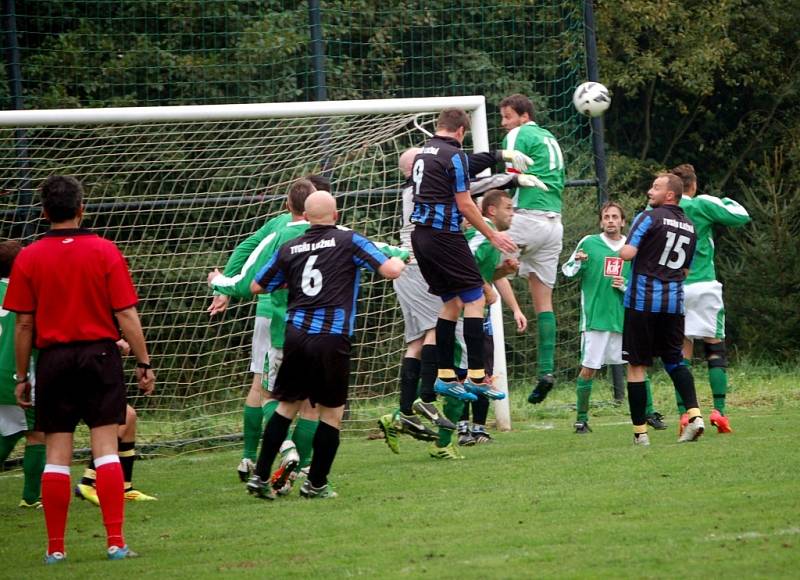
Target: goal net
[(176, 188)]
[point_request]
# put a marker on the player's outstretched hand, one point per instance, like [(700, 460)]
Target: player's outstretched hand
[(23, 394), (503, 242), (218, 304), (525, 180), (146, 379), (521, 321), (518, 160)]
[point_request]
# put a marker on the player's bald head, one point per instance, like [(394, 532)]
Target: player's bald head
[(407, 160), (321, 208)]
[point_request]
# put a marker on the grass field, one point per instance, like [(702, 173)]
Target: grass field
[(539, 502)]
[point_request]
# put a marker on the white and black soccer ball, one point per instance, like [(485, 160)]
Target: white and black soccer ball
[(591, 99)]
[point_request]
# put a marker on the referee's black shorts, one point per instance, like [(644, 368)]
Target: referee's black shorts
[(79, 381), (314, 367), (647, 335), (445, 260)]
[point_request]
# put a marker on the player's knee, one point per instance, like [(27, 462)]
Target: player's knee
[(716, 355)]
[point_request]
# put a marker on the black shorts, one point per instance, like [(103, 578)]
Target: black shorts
[(314, 367), (79, 381), (652, 334), (445, 261)]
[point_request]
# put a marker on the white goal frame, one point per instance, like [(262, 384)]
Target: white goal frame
[(475, 105)]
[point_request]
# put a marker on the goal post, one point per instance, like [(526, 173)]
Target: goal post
[(178, 187)]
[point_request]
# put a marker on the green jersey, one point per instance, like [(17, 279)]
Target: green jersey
[(243, 251), (486, 255), (706, 211), (548, 165), (601, 303), (8, 364)]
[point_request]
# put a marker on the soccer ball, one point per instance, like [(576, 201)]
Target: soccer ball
[(591, 99)]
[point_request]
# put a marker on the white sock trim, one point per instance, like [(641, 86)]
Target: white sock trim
[(53, 468), (105, 459)]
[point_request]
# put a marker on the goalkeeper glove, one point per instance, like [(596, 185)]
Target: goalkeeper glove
[(525, 180), (519, 161)]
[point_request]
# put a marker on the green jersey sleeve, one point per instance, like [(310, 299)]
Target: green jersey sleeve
[(237, 284), (572, 267), (245, 249), (722, 210)]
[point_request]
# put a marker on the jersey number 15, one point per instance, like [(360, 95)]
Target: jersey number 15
[(674, 247)]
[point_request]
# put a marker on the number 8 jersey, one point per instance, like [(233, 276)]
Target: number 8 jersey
[(665, 240), (321, 269)]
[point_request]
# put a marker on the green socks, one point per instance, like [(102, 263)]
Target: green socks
[(453, 408), (303, 437), (32, 467), (546, 327), (252, 431), (649, 410), (718, 377), (584, 391)]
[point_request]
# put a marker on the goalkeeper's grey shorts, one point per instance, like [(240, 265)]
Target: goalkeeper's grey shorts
[(420, 307)]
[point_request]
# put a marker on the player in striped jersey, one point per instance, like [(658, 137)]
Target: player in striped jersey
[(661, 245), (596, 263), (321, 270), (705, 311), (537, 228)]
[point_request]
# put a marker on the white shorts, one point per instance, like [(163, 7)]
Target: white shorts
[(705, 311), (599, 347), (274, 364), (261, 344), (539, 236), (420, 307), (12, 420)]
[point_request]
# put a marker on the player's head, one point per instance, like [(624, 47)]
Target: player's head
[(406, 161), (321, 182), (453, 123), (612, 218), (688, 176), (667, 189), (8, 253), (298, 193), (515, 111), (62, 198), (321, 209), (498, 207)]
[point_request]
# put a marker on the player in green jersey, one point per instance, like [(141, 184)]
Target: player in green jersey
[(705, 310), (537, 228), (498, 211), (14, 420), (603, 275)]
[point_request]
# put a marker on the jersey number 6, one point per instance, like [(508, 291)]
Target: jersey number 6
[(312, 278)]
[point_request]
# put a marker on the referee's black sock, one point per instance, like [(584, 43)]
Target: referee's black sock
[(326, 443), (446, 346), (683, 380), (427, 372), (274, 435), (409, 378), (473, 337), (637, 402)]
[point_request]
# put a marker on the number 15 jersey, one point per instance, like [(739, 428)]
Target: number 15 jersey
[(322, 271), (665, 240)]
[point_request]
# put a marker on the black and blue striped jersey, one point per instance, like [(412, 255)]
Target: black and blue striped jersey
[(665, 240), (440, 171), (322, 270)]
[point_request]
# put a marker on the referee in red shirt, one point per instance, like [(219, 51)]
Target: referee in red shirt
[(71, 289)]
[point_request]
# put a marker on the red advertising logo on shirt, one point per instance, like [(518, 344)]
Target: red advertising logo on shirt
[(613, 266)]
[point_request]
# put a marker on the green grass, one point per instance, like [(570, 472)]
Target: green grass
[(540, 502)]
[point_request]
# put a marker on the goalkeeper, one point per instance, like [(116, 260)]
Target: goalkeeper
[(596, 263)]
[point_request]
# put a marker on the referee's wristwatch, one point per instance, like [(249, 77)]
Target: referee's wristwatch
[(24, 379), (144, 365)]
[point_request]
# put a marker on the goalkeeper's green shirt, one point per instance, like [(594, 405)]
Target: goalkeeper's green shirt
[(706, 211), (548, 165), (243, 251), (8, 364), (486, 255), (601, 303)]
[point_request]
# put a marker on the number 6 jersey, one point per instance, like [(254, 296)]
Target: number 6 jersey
[(321, 269), (665, 240)]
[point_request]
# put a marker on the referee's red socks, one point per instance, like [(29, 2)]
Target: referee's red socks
[(55, 499), (110, 487)]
